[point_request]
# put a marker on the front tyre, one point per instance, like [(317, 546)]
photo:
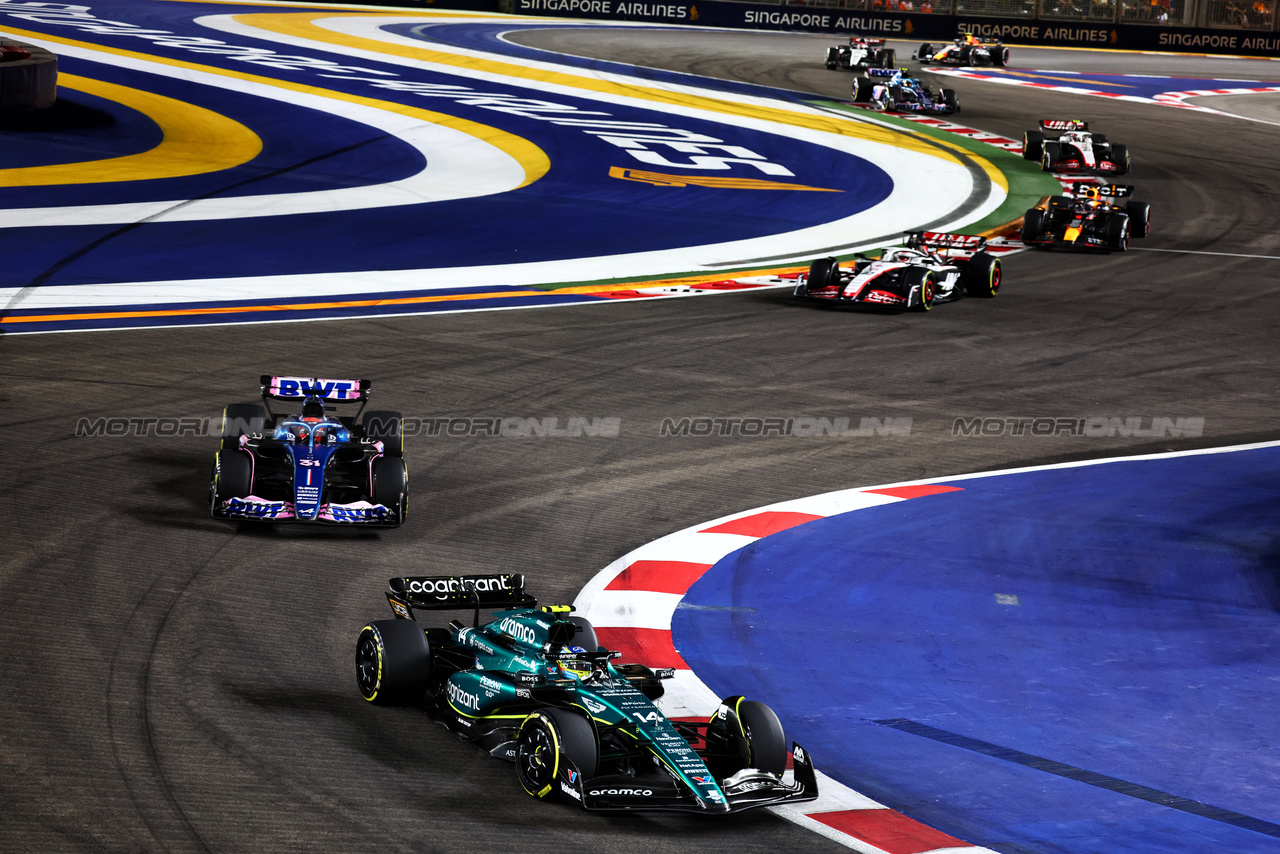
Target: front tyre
[(385, 426), (1120, 157), (923, 282), (1139, 218), (863, 89), (1032, 145), (390, 486), (1118, 232), (1049, 156), (393, 662), (982, 278), (1033, 225), (547, 739), (241, 419), (232, 477), (823, 273), (766, 740)]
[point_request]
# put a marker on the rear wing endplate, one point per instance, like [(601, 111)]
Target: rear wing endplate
[(457, 592)]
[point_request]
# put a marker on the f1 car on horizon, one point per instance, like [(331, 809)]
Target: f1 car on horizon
[(535, 687), (1085, 220), (310, 466), (1066, 145), (933, 268), (969, 49), (901, 93), (860, 54)]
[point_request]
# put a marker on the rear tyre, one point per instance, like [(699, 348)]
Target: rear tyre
[(1032, 145), (862, 89), (393, 662), (1139, 218), (888, 58), (390, 486), (1033, 225), (1118, 232), (385, 426), (982, 278), (924, 282), (232, 478), (241, 419), (547, 738)]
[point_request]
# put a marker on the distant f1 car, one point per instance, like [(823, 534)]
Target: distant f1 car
[(310, 466), (1085, 220), (966, 50), (860, 54), (535, 687), (1065, 145), (933, 268), (899, 93)]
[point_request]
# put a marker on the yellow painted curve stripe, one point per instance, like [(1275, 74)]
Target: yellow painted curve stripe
[(196, 141), (301, 25), (533, 159)]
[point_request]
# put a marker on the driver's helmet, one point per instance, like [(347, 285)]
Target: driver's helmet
[(1075, 136), (970, 38), (575, 667), (1091, 193), (900, 255), (899, 78)]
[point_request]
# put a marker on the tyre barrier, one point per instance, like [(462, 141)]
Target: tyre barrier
[(28, 77)]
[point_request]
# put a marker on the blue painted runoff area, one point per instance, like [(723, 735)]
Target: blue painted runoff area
[(1075, 659)]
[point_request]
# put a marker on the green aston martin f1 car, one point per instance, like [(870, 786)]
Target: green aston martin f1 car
[(534, 687)]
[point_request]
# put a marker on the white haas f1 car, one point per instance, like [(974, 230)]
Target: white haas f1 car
[(1065, 145), (860, 54), (932, 268)]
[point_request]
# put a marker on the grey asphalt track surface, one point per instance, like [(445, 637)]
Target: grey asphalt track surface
[(171, 683)]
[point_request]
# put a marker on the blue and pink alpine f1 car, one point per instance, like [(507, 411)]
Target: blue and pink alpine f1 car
[(310, 466)]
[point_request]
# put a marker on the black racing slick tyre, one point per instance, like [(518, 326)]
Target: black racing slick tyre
[(1049, 156), (862, 87), (548, 738), (833, 58), (241, 419), (1120, 157), (1032, 145), (1033, 224), (765, 737), (823, 273), (888, 59), (1118, 232), (387, 427), (950, 100), (1000, 57), (393, 662), (232, 477), (390, 486), (924, 53), (1139, 218), (918, 277), (982, 276)]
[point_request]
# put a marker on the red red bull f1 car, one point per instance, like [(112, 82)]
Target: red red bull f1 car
[(966, 50), (1087, 219), (932, 268), (310, 465)]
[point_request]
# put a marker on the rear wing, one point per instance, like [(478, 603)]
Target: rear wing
[(856, 40), (881, 72), (299, 388), (457, 592), (934, 241), (1111, 191), (1062, 125)]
